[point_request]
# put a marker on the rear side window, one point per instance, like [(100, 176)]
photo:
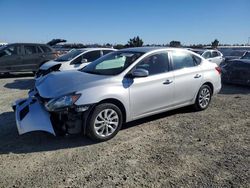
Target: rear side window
[(29, 50), (45, 49), (215, 54), (183, 60), (207, 55), (92, 56), (155, 64)]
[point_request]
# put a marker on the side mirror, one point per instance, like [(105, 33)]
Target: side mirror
[(84, 61), (140, 73)]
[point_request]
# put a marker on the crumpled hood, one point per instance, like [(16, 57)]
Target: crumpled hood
[(62, 83), (50, 64)]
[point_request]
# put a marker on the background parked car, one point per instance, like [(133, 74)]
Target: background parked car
[(246, 55), (214, 56), (24, 57), (236, 71), (233, 54), (73, 60), (3, 44)]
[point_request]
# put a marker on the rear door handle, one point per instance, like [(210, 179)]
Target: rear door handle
[(168, 82), (197, 76)]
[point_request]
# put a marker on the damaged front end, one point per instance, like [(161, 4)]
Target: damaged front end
[(56, 116)]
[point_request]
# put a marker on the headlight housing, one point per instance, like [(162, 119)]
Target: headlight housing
[(62, 102)]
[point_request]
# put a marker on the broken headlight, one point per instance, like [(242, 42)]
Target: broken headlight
[(62, 102)]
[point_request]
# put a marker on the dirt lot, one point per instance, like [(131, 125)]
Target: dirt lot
[(174, 149)]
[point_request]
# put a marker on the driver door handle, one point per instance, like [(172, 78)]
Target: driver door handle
[(197, 76), (168, 82)]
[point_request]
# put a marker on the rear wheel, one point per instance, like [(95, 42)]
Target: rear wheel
[(105, 121), (203, 98)]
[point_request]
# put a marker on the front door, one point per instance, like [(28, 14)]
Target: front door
[(31, 58), (10, 58), (155, 92)]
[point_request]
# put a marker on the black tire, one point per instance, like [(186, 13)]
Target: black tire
[(99, 109), (198, 106)]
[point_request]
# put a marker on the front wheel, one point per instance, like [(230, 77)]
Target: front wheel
[(105, 121), (203, 98)]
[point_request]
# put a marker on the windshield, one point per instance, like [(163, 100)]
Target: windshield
[(113, 63), (246, 56), (70, 55)]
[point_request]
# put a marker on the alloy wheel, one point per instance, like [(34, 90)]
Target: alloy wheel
[(106, 122), (204, 97)]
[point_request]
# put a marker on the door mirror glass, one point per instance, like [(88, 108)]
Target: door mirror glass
[(140, 73)]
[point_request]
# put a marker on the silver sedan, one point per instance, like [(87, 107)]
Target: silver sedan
[(119, 87)]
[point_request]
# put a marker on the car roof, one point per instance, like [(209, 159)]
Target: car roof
[(196, 49), (150, 49), (26, 44), (90, 49), (240, 60)]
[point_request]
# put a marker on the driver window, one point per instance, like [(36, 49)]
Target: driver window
[(78, 60), (155, 64), (12, 50)]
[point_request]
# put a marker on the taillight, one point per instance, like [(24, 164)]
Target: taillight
[(218, 69)]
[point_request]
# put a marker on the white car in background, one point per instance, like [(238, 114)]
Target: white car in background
[(214, 56), (73, 60), (3, 44)]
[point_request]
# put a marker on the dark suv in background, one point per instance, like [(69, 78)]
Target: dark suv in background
[(24, 57)]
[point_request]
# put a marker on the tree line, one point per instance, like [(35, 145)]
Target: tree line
[(137, 42)]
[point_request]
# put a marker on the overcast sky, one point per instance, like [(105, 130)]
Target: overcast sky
[(114, 21)]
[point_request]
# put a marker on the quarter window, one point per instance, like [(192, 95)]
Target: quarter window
[(215, 54), (155, 64), (183, 60), (45, 49), (39, 50)]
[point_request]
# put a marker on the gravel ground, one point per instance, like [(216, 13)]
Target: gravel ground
[(180, 148)]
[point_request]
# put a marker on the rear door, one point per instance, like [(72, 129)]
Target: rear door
[(10, 58), (187, 76), (31, 57)]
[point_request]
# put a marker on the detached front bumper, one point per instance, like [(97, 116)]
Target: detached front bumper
[(32, 116)]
